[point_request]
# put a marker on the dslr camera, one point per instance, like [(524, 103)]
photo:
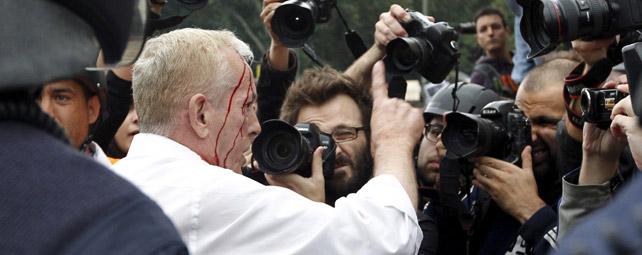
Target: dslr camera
[(293, 21), (282, 149), (501, 131), (430, 49), (597, 105), (547, 23)]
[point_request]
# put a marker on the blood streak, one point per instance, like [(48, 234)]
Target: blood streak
[(247, 96), (229, 108)]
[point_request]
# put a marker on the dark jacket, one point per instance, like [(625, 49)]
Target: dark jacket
[(53, 200), (477, 225), (272, 87), (494, 74)]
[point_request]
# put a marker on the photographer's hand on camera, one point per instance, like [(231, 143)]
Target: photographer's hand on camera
[(313, 187), (387, 29), (600, 153), (592, 51), (389, 26), (279, 53), (625, 125), (396, 127), (513, 188)]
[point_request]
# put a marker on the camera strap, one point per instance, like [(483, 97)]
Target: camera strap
[(575, 82), (353, 40)]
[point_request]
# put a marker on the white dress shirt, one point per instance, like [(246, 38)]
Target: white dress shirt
[(217, 211)]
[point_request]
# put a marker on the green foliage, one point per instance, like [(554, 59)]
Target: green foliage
[(242, 17)]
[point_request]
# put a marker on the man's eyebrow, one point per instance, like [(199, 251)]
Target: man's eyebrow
[(61, 90), (545, 120)]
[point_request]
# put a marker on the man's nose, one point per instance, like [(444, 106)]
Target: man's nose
[(254, 127), (45, 105)]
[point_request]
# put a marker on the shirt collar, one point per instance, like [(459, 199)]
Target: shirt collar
[(147, 144)]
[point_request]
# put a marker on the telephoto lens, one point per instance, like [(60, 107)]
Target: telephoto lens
[(597, 105), (547, 23), (282, 149)]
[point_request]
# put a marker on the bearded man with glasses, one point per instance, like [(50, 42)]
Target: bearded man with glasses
[(341, 108)]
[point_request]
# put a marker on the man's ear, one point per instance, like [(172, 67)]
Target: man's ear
[(197, 114), (93, 109)]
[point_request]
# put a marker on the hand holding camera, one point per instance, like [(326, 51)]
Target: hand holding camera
[(625, 125), (600, 148), (513, 188), (313, 187), (389, 26), (279, 53)]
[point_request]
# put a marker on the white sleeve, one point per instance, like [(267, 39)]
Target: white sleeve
[(379, 219)]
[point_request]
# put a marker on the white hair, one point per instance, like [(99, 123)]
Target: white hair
[(177, 65)]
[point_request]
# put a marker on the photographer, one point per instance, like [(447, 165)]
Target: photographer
[(520, 215), (443, 232), (341, 108), (512, 187), (335, 102), (614, 229), (596, 162)]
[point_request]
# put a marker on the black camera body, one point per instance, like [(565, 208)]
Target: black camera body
[(282, 149), (597, 105), (293, 21), (430, 49), (547, 23), (501, 131)]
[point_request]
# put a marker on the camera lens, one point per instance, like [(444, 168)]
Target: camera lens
[(280, 148), (283, 147), (406, 53), (468, 135), (547, 23), (293, 22), (585, 101)]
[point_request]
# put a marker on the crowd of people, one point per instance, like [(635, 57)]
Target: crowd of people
[(153, 157)]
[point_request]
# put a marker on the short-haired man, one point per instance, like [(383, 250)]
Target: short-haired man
[(521, 215), (493, 69), (340, 107), (75, 105), (529, 193), (195, 97)]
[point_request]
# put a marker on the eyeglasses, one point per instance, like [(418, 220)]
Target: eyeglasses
[(433, 131), (345, 134)]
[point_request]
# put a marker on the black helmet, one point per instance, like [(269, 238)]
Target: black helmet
[(45, 40), (472, 98)]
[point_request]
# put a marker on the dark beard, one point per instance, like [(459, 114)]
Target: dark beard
[(362, 172), (547, 176)]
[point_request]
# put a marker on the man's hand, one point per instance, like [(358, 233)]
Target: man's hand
[(600, 151), (395, 123), (592, 51), (313, 188), (514, 189), (625, 125), (396, 128), (389, 27), (279, 53)]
